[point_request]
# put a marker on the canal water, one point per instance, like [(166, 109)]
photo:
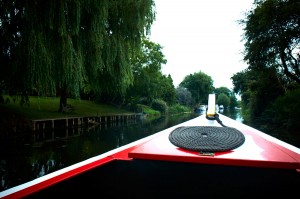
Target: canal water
[(26, 158)]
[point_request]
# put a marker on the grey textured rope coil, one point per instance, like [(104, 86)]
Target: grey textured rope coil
[(206, 138)]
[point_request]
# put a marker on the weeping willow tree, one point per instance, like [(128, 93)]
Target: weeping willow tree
[(65, 44)]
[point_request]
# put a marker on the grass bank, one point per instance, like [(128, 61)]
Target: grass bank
[(16, 119), (47, 107)]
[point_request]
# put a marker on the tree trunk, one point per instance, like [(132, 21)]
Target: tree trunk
[(63, 100)]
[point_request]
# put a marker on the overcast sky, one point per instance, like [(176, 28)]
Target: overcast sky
[(201, 35)]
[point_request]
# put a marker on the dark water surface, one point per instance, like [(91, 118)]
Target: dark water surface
[(26, 158)]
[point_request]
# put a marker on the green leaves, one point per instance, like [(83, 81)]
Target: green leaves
[(64, 44), (149, 82), (272, 33), (200, 85)]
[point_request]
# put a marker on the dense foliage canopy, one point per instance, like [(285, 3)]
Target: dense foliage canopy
[(149, 82), (272, 35), (58, 46), (200, 85), (271, 83)]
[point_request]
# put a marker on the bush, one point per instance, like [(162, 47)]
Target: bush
[(179, 109), (159, 105), (285, 110), (147, 110)]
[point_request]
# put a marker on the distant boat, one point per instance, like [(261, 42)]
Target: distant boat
[(221, 109), (217, 108), (142, 115), (201, 109)]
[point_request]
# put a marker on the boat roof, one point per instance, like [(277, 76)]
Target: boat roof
[(258, 150)]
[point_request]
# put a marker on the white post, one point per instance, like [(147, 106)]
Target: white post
[(211, 110)]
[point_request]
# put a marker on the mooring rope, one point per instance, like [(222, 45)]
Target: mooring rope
[(207, 139), (217, 118)]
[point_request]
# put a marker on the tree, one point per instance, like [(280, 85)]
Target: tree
[(57, 46), (272, 35), (149, 82), (232, 102), (184, 96), (242, 82), (258, 89), (200, 85), (223, 99), (224, 90), (272, 43), (168, 93), (285, 112)]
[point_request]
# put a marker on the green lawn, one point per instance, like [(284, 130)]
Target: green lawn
[(47, 107)]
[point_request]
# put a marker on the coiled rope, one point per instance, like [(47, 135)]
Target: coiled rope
[(207, 138)]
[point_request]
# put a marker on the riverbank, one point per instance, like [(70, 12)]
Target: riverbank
[(36, 154), (47, 108), (16, 119)]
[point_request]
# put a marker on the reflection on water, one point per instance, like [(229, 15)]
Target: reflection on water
[(29, 157), (233, 114)]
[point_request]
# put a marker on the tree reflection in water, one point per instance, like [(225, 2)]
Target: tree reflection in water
[(27, 157)]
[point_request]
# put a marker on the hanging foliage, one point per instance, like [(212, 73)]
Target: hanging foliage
[(64, 44)]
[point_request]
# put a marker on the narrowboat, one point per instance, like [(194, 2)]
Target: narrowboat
[(210, 156)]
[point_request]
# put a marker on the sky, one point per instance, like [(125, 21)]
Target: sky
[(201, 35)]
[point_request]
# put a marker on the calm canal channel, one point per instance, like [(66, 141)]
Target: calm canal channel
[(27, 158)]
